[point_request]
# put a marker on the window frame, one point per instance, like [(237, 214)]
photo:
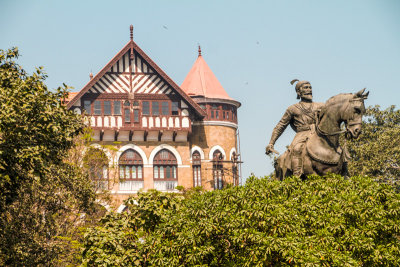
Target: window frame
[(146, 104), (196, 166), (88, 111), (116, 108), (136, 115), (97, 110), (109, 106), (175, 104), (155, 108), (163, 161), (217, 171), (127, 111), (135, 162), (168, 113)]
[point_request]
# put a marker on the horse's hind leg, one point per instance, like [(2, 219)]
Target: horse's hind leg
[(307, 165)]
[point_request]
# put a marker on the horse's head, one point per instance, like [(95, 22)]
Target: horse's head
[(353, 112), (343, 108)]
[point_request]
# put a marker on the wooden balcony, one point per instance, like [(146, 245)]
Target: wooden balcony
[(148, 128)]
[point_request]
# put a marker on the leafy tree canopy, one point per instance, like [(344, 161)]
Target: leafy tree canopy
[(376, 153), (322, 221), (38, 187)]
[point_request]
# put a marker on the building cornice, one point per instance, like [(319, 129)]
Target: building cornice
[(202, 99), (216, 123)]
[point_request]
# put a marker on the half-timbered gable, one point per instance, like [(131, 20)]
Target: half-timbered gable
[(132, 99)]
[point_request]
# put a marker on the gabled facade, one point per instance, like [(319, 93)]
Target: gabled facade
[(162, 135)]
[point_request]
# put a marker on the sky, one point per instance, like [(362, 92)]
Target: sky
[(255, 48)]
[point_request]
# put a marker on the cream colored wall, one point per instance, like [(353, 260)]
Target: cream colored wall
[(203, 137), (113, 151)]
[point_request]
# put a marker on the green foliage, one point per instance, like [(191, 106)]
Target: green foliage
[(119, 238), (376, 152), (41, 193), (321, 221)]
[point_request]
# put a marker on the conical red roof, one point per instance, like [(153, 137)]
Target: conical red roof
[(201, 81)]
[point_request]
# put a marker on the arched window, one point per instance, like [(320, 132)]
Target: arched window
[(130, 171), (196, 163), (218, 173), (96, 162), (165, 171)]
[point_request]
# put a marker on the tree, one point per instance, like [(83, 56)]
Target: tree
[(324, 221), (41, 193), (376, 153)]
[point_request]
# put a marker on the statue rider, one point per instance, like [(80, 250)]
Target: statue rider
[(301, 117)]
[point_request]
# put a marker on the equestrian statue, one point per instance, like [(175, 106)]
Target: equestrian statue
[(315, 148)]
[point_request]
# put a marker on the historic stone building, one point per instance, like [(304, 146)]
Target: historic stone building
[(155, 133)]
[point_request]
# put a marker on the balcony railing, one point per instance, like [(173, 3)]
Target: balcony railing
[(130, 185), (165, 185), (160, 122)]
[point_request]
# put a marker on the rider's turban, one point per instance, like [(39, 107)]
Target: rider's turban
[(299, 84)]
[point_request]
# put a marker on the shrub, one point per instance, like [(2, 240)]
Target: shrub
[(322, 221)]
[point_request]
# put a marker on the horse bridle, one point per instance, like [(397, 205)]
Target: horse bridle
[(322, 132)]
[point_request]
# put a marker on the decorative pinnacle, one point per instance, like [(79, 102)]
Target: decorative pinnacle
[(131, 29), (91, 75), (199, 51)]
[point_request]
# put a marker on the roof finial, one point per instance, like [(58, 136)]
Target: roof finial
[(199, 51), (91, 75), (131, 29)]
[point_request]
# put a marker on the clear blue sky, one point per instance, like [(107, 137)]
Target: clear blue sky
[(255, 48)]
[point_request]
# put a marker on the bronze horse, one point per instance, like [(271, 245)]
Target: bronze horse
[(322, 152)]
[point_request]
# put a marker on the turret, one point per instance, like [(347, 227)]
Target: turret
[(216, 134)]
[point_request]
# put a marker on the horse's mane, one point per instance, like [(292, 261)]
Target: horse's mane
[(334, 100), (338, 98)]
